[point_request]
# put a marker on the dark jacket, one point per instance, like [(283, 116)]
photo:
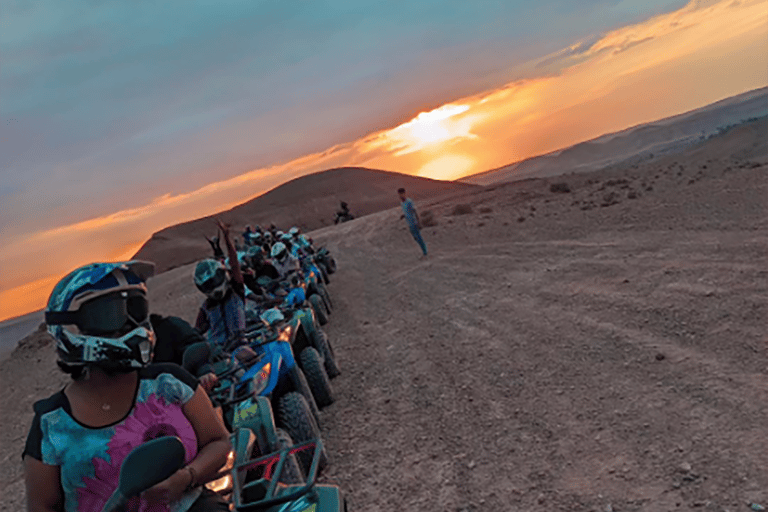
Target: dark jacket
[(172, 336)]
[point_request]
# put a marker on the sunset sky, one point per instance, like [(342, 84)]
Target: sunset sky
[(121, 118)]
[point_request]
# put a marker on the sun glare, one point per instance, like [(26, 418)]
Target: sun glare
[(447, 167), (428, 129)]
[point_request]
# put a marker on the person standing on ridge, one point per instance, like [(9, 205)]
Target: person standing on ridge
[(412, 218)]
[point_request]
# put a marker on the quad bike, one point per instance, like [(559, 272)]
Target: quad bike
[(305, 331), (277, 339), (257, 484), (295, 291), (324, 258), (315, 280), (266, 493), (273, 375)]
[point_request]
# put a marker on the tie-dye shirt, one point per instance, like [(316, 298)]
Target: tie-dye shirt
[(90, 458)]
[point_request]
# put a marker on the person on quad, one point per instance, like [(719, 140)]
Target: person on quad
[(222, 314), (115, 401), (301, 240), (173, 335), (285, 263), (293, 249), (344, 214), (248, 236), (262, 267), (257, 239)]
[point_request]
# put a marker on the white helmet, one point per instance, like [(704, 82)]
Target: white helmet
[(279, 251)]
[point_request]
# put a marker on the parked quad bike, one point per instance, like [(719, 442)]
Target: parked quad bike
[(323, 257), (266, 493), (257, 483), (279, 337), (273, 375)]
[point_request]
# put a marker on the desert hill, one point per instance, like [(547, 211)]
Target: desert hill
[(309, 202), (640, 143), (599, 346)]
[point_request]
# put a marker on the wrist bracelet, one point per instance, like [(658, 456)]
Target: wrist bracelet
[(192, 478)]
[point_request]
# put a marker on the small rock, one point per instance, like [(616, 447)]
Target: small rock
[(471, 464), (685, 467), (660, 356), (541, 498)]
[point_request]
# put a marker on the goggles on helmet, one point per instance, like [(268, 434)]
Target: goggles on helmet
[(109, 315), (217, 280)]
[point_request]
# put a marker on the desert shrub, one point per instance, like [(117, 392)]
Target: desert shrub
[(428, 219), (561, 188), (461, 209)]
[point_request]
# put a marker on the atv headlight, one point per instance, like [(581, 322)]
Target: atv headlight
[(285, 334), (261, 380), (224, 484)]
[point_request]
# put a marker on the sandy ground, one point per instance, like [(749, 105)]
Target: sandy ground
[(596, 350)]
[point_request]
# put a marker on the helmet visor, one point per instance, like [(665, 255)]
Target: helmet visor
[(113, 312), (109, 315), (214, 282)]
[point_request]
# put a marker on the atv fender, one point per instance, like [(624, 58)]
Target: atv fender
[(255, 414)]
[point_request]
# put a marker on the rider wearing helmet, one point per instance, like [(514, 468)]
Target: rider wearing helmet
[(222, 314), (247, 234), (283, 261), (99, 317), (293, 249), (300, 240)]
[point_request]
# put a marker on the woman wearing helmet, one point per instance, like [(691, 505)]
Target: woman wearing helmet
[(79, 437), (222, 314)]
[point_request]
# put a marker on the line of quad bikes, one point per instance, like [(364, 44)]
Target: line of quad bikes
[(270, 403)]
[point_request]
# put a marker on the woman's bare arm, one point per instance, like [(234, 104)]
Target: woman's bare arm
[(213, 447), (43, 483), (212, 437)]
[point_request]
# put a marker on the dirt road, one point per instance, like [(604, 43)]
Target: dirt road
[(593, 350), (554, 363)]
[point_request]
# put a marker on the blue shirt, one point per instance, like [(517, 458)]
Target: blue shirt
[(410, 212)]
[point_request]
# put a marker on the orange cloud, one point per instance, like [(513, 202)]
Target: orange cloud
[(27, 297)]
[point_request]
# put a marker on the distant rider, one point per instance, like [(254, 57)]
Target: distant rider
[(412, 218)]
